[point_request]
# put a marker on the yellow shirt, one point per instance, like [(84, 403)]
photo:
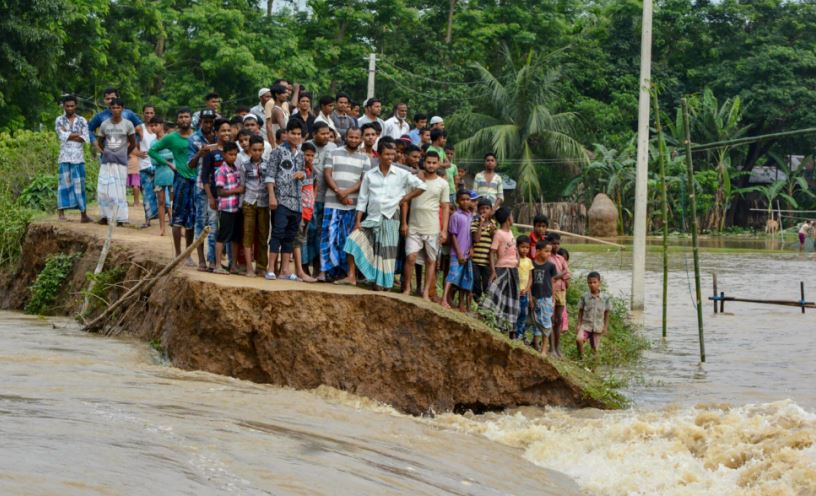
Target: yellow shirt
[(524, 268)]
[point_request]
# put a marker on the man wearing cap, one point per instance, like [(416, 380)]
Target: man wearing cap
[(396, 126), (373, 107), (437, 122), (212, 102), (264, 95)]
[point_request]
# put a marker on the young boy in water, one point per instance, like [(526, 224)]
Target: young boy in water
[(593, 314)]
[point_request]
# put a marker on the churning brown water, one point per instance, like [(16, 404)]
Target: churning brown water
[(87, 415)]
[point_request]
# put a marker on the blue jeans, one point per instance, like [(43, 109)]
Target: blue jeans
[(204, 214), (151, 206), (521, 323)]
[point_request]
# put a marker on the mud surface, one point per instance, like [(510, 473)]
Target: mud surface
[(399, 350)]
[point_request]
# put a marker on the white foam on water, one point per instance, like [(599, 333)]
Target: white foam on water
[(765, 449)]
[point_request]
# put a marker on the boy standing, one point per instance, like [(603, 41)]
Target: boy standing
[(482, 230), (72, 131), (559, 289), (229, 188), (460, 273), (256, 206), (307, 204), (488, 183), (503, 294), (541, 289), (116, 139), (593, 314), (425, 236), (540, 226), (525, 267), (283, 182)]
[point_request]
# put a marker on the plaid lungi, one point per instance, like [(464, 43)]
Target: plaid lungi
[(503, 297), (374, 248), (71, 187)]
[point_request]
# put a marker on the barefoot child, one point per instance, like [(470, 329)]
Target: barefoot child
[(540, 226), (256, 206), (503, 294), (525, 267), (229, 189), (559, 290), (164, 174), (460, 275), (307, 202), (593, 314), (541, 290), (564, 314), (482, 230)]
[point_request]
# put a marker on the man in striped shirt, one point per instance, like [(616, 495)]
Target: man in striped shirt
[(343, 175)]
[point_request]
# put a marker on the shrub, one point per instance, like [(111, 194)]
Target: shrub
[(14, 220), (49, 282)]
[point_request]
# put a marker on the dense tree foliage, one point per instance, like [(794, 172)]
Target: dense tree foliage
[(431, 54)]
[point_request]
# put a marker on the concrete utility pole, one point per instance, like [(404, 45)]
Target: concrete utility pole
[(639, 247), (372, 70)]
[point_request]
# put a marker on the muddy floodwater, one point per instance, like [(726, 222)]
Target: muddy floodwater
[(87, 415)]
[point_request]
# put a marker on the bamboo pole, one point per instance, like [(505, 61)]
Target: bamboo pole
[(714, 277), (100, 264), (802, 289), (752, 139), (573, 235), (661, 151), (695, 242), (146, 284)]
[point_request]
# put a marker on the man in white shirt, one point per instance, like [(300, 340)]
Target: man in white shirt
[(264, 95), (373, 108), (397, 126), (146, 170), (384, 193), (72, 131)]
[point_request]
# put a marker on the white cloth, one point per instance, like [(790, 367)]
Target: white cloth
[(145, 143), (394, 129), (380, 194), (111, 186), (365, 120)]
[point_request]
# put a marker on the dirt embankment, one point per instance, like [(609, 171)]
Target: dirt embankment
[(401, 351)]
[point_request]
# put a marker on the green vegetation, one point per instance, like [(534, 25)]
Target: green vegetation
[(49, 282), (102, 285)]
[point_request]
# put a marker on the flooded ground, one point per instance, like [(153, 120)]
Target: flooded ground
[(87, 415)]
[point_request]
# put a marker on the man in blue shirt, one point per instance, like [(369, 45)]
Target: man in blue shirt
[(99, 118)]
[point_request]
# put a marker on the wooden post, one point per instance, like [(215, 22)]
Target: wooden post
[(714, 276), (722, 301), (695, 242), (100, 264), (802, 289), (661, 151)]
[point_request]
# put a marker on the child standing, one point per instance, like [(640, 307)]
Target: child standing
[(559, 289), (307, 203), (541, 288), (503, 294), (564, 314), (482, 230), (256, 206), (593, 314), (540, 226), (229, 188), (460, 273), (525, 267)]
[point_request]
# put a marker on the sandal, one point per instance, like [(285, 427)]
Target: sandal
[(292, 277), (270, 276), (221, 271)]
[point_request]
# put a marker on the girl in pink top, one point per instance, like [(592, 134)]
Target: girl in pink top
[(503, 294)]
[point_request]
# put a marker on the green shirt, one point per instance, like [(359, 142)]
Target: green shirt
[(178, 146)]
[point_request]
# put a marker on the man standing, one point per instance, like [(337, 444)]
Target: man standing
[(324, 146), (370, 136), (201, 143), (437, 122), (425, 235), (72, 131), (146, 169), (108, 96), (488, 184), (304, 111), (264, 95), (344, 175), (373, 108), (116, 138), (384, 194), (185, 178), (420, 122), (341, 118), (396, 127), (212, 102)]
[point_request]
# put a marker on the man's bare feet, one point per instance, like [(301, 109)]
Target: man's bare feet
[(102, 222), (61, 216), (445, 304), (346, 281), (84, 219), (306, 277)]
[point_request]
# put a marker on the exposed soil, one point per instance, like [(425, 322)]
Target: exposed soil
[(415, 356)]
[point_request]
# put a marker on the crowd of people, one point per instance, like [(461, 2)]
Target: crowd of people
[(323, 194)]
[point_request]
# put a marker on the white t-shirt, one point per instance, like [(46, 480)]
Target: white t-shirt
[(147, 141), (424, 217)]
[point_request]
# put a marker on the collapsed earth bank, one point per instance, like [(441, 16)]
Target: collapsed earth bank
[(414, 356)]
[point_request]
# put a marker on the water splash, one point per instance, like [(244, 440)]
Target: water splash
[(762, 449)]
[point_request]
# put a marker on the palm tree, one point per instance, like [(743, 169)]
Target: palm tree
[(520, 123)]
